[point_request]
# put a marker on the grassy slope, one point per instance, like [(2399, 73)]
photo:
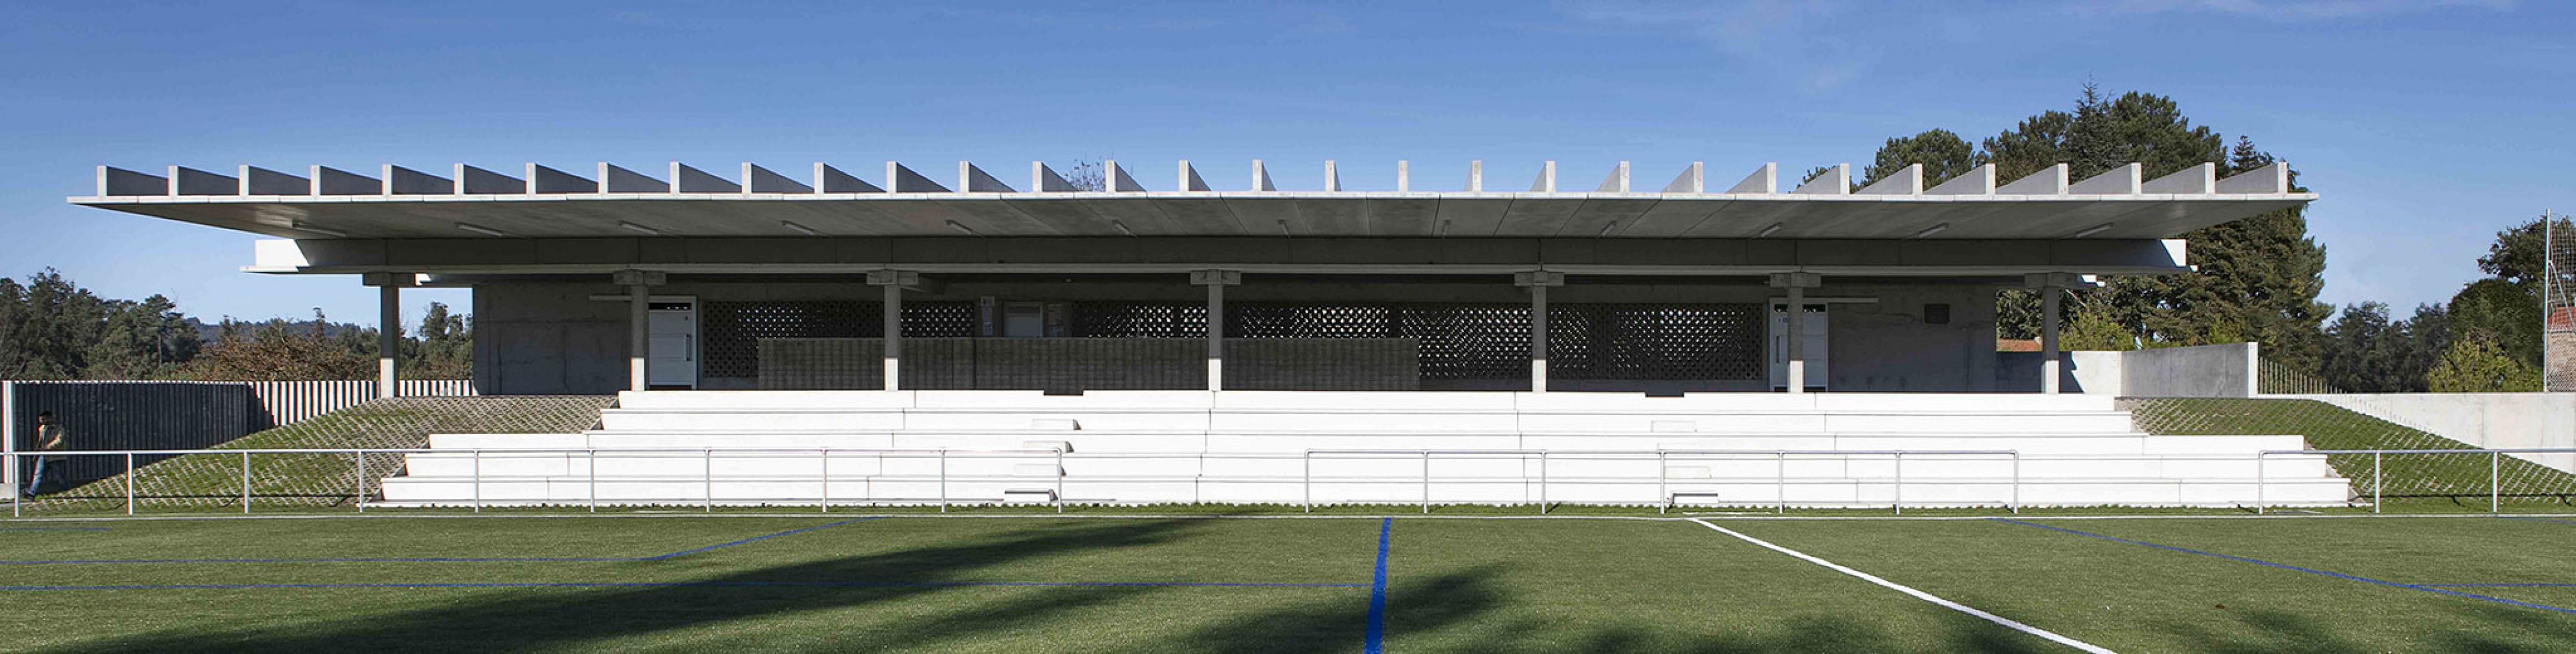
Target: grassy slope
[(2328, 427), (205, 480)]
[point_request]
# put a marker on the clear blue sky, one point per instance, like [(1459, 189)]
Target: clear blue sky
[(2426, 125)]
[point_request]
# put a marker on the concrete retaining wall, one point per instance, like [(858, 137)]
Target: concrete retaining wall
[(2486, 420)]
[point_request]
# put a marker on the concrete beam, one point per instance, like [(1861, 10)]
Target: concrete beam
[(1617, 182), (548, 181), (1977, 181), (1546, 182), (2196, 180), (2048, 181), (333, 181), (1190, 180), (1693, 180), (1044, 180), (477, 181), (1261, 178), (688, 179), (617, 179), (832, 180), (261, 181), (190, 181), (971, 179), (2270, 179), (1905, 182), (1796, 280), (1764, 180), (1118, 179), (756, 179), (1834, 181), (2120, 180), (405, 181)]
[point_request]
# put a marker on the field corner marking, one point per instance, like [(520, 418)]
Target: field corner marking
[(2008, 623)]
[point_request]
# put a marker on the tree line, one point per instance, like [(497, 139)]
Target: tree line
[(53, 329), (2256, 279)]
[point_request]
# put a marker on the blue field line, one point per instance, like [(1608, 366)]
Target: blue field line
[(492, 559), (683, 584), (2376, 582), (1377, 591)]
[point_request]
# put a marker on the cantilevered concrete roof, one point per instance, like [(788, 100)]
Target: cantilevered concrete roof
[(543, 202)]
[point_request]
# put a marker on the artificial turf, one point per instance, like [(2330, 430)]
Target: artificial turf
[(1140, 584)]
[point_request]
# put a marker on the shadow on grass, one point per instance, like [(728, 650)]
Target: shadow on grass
[(2489, 630)]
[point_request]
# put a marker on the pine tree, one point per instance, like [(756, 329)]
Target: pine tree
[(1943, 154)]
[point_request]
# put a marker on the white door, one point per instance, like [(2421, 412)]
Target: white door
[(1814, 325), (671, 360)]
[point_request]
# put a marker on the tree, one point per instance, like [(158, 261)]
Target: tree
[(445, 349), (2094, 330), (2500, 313), (277, 351), (2475, 364), (1943, 154), (1087, 175)]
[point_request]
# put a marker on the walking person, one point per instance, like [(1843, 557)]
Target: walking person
[(49, 438)]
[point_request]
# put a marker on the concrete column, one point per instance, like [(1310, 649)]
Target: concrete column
[(893, 337), (639, 321), (1216, 281), (1797, 339), (2050, 297), (388, 339), (1537, 282)]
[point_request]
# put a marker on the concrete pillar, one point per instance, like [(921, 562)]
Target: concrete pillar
[(893, 281), (388, 328), (639, 321), (1537, 282), (2050, 297), (1216, 281), (1797, 285)]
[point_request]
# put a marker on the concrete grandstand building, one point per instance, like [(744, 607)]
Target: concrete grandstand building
[(1730, 341)]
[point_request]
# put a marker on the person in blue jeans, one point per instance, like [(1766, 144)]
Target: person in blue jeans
[(49, 438)]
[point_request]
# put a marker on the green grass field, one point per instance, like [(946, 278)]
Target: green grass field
[(1146, 584)]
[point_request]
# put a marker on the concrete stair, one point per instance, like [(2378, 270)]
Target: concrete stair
[(765, 447)]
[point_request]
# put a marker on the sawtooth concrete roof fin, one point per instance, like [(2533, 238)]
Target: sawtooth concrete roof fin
[(1044, 180), (1403, 176), (971, 179), (1332, 178), (1977, 181), (2269, 179), (1190, 180), (832, 180), (1546, 182), (1117, 178), (191, 181), (477, 181), (900, 179), (614, 178), (548, 181), (688, 179), (261, 181), (2119, 180), (119, 182), (1765, 179), (334, 181), (756, 179), (1835, 180), (1476, 176), (1908, 181), (405, 181), (2048, 181), (1617, 182), (1261, 178), (2196, 180), (1694, 179)]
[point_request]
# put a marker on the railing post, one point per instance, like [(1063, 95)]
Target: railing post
[(827, 480), (129, 483), (1059, 477), (2376, 482), (2016, 482), (1308, 484), (593, 478), (245, 483), (2259, 482), (707, 466), (1542, 482), (1426, 482), (1900, 483), (943, 481), (360, 457), (1663, 483), (478, 480), (19, 493), (2495, 481), (1781, 494)]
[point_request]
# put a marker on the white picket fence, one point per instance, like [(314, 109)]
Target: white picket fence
[(289, 402)]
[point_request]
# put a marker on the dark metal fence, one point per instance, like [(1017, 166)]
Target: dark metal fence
[(130, 416)]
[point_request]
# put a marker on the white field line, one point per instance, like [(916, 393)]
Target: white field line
[(396, 514), (1928, 597)]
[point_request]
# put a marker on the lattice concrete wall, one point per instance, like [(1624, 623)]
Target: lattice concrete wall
[(1089, 364)]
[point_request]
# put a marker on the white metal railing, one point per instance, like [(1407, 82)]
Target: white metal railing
[(2379, 481), (942, 476)]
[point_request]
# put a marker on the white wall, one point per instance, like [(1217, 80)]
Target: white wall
[(2486, 420)]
